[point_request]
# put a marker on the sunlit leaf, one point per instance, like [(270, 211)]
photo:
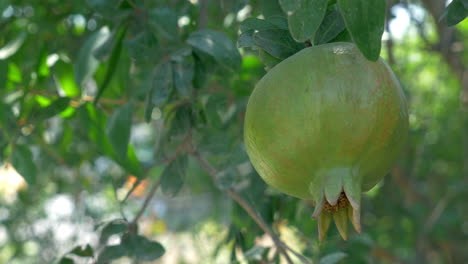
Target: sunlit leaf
[(86, 64), (10, 48), (63, 73), (42, 67), (365, 22), (56, 107), (14, 73)]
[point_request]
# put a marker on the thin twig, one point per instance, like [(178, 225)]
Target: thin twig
[(282, 248), (147, 201)]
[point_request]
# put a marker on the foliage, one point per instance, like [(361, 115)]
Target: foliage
[(107, 103)]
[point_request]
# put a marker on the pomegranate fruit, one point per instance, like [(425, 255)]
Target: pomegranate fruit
[(325, 125)]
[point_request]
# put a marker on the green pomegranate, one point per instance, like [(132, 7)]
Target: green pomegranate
[(325, 125)]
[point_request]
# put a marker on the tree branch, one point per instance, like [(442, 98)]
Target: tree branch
[(147, 201), (282, 248)]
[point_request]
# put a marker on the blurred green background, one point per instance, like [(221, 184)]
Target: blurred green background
[(56, 57)]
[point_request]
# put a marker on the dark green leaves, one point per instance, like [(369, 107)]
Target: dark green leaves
[(183, 66), (113, 228), (332, 25), (269, 37), (290, 5), (276, 42), (118, 129), (365, 22), (53, 109), (86, 251), (162, 84), (218, 46), (86, 63), (304, 19), (455, 12), (173, 176), (163, 21), (22, 161), (133, 246), (113, 62)]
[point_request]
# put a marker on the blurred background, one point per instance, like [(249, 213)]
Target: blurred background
[(67, 186)]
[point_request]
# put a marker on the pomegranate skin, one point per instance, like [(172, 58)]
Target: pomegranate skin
[(326, 121)]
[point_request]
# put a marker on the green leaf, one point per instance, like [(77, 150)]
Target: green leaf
[(181, 122), (218, 46), (215, 107), (142, 249), (172, 178), (22, 161), (333, 258), (304, 22), (63, 73), (365, 21), (12, 46), (183, 71), (290, 5), (277, 42), (86, 64), (252, 23), (246, 40), (143, 47), (225, 179), (66, 260), (162, 84), (456, 12), (3, 74), (113, 228), (110, 253), (268, 60), (271, 8), (107, 7), (86, 251), (56, 107), (163, 21), (42, 67), (94, 120), (332, 25), (113, 62), (118, 129), (254, 253), (132, 164), (14, 73)]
